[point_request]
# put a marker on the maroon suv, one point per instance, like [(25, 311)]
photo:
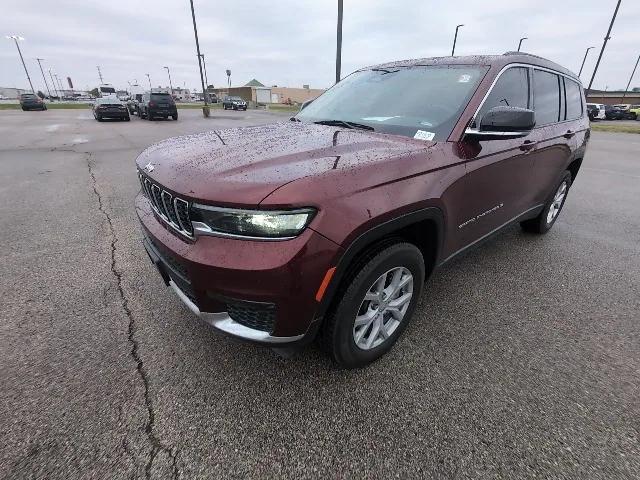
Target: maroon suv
[(328, 225)]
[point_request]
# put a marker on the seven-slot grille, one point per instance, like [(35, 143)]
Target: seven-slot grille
[(173, 210)]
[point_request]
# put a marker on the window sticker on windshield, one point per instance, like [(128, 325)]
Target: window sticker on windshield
[(424, 135), (464, 78), (379, 119)]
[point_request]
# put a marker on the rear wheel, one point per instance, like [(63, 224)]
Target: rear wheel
[(543, 222), (127, 118), (175, 117), (375, 307), (99, 118)]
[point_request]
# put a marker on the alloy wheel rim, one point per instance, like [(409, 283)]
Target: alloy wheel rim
[(556, 204), (383, 308)]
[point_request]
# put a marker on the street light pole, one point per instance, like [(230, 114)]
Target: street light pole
[(100, 74), (205, 108), (15, 38), (54, 85), (204, 64), (520, 43), (60, 89), (170, 84), (149, 78), (630, 78), (584, 60), (604, 44), (455, 38), (43, 77), (339, 42)]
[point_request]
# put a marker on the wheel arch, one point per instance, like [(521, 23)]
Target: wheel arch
[(424, 228)]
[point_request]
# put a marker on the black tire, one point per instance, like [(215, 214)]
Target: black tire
[(148, 116), (99, 118), (127, 118), (24, 109), (175, 117), (336, 336), (540, 224)]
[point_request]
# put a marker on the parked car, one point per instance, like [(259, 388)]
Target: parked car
[(155, 105), (2, 97), (30, 101), (618, 112), (110, 107), (234, 103), (133, 103), (596, 111), (627, 114), (328, 225), (635, 109)]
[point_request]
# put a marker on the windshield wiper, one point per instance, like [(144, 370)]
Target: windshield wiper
[(344, 123)]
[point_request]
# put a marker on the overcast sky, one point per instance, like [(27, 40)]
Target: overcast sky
[(292, 42)]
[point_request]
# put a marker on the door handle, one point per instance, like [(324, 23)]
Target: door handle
[(569, 134), (528, 145)]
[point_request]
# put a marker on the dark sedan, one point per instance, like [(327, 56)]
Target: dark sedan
[(30, 101), (110, 107)]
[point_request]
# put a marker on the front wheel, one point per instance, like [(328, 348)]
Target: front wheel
[(543, 222), (375, 306), (175, 117)]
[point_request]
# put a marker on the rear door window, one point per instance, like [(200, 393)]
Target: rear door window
[(546, 94), (511, 90), (161, 98), (574, 99)]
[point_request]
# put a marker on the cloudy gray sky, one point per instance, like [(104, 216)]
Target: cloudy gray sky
[(292, 42)]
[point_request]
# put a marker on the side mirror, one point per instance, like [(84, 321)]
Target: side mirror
[(306, 104), (504, 123)]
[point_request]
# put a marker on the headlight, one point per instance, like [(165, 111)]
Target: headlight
[(268, 224)]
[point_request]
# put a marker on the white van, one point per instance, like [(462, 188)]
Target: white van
[(106, 90), (601, 110)]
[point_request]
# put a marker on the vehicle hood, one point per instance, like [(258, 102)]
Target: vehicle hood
[(242, 166)]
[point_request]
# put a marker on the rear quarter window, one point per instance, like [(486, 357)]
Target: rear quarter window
[(574, 99)]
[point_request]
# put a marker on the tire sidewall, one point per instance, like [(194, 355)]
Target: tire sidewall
[(345, 350), (545, 226)]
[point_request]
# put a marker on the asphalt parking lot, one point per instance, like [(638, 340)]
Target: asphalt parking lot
[(523, 360)]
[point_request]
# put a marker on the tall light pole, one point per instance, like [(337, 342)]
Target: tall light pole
[(584, 60), (60, 89), (455, 38), (630, 78), (339, 42), (228, 72), (205, 108), (604, 44), (43, 77), (149, 78), (15, 38), (54, 85), (204, 64), (100, 74), (520, 43), (170, 84)]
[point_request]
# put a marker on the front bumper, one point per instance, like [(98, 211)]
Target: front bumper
[(230, 282)]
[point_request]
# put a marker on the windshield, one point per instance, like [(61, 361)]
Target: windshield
[(422, 102), (107, 90)]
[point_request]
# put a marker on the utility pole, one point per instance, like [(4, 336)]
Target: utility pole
[(206, 79), (520, 43), (61, 90), (170, 84), (100, 74), (43, 77), (604, 44), (339, 42), (228, 79), (54, 86), (630, 78), (455, 38), (149, 78), (584, 60), (15, 38), (205, 108)]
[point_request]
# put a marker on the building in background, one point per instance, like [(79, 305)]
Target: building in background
[(254, 91), (612, 97), (12, 93)]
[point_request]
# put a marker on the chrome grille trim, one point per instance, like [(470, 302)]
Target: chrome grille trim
[(173, 211)]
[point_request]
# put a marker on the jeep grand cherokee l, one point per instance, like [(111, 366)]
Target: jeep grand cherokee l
[(327, 225)]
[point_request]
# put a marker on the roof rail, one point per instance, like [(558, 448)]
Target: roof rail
[(523, 53)]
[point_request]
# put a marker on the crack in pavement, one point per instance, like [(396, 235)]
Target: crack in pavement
[(156, 445)]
